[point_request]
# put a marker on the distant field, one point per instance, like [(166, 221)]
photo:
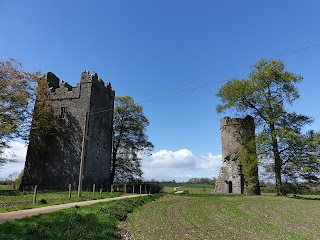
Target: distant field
[(188, 188), (192, 190), (227, 217), (186, 185), (6, 187)]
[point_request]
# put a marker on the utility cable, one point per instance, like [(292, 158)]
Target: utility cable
[(206, 85), (201, 79)]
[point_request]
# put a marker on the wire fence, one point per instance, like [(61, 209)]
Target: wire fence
[(36, 195)]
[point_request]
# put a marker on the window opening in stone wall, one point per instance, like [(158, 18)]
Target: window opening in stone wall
[(63, 112), (230, 186)]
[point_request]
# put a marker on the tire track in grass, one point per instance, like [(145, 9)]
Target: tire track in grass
[(300, 217), (245, 227), (155, 221), (181, 217)]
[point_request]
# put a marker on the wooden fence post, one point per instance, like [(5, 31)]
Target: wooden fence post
[(133, 188), (69, 191), (35, 195), (93, 190), (125, 188), (140, 189)]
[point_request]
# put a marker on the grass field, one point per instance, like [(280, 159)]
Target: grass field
[(12, 200), (227, 217), (6, 187), (98, 221)]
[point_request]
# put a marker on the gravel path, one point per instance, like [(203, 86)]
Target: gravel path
[(10, 216)]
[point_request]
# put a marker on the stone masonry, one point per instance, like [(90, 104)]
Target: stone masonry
[(59, 166), (233, 132)]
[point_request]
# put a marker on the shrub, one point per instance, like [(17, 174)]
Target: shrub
[(43, 201)]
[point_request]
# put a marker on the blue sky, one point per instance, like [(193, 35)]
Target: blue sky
[(153, 49)]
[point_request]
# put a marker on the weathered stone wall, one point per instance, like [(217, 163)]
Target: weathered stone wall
[(59, 165), (98, 154), (233, 133)]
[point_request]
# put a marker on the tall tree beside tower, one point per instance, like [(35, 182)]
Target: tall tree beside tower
[(266, 95), (17, 95), (129, 140)]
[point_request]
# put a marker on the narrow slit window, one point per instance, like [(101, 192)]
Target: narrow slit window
[(63, 112)]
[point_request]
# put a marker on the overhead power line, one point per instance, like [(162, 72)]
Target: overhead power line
[(221, 81), (294, 51), (202, 76), (210, 84), (187, 90)]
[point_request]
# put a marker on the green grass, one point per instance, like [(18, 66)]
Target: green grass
[(6, 187), (12, 200), (227, 217), (98, 221)]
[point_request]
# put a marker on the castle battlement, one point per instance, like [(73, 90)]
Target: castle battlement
[(86, 77), (233, 122), (63, 90)]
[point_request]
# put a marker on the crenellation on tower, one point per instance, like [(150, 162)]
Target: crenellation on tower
[(66, 86), (86, 76)]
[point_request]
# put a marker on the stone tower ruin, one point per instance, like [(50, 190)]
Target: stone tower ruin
[(239, 171), (58, 164)]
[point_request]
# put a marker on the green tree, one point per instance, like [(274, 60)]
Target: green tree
[(202, 181), (300, 157), (129, 140), (17, 94), (265, 95), (249, 161), (44, 128), (44, 123), (19, 179)]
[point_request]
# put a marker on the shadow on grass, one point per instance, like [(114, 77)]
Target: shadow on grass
[(10, 193)]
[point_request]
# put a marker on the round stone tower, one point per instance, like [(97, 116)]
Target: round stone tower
[(235, 133)]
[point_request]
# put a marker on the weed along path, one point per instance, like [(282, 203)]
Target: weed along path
[(9, 216)]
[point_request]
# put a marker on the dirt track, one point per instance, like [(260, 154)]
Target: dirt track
[(10, 216)]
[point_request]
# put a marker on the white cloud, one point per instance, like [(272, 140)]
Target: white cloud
[(180, 165), (19, 150)]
